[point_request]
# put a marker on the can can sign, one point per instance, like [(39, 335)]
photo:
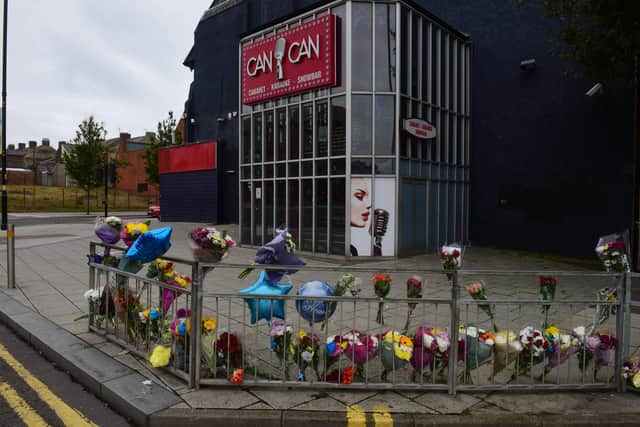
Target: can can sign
[(419, 128)]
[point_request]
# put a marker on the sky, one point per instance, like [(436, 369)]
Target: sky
[(118, 60)]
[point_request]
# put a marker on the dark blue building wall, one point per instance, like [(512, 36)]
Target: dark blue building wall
[(195, 193), (551, 167), (561, 162)]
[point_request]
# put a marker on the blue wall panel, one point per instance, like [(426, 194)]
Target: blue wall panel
[(189, 197)]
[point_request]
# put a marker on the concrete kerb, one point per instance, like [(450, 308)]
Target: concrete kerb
[(114, 383)]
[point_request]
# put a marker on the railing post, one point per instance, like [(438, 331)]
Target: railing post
[(453, 350), (626, 310), (196, 326), (92, 280), (11, 256), (620, 332)]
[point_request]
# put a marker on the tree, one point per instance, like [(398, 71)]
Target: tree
[(164, 137), (87, 156), (602, 37)]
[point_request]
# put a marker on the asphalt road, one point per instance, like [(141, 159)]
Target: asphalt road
[(33, 392)]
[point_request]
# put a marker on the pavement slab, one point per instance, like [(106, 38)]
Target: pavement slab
[(446, 404), (219, 398)]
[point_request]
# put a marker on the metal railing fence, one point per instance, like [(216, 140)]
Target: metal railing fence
[(445, 340)]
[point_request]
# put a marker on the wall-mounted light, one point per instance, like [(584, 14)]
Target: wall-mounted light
[(220, 119), (528, 64), (597, 89), (192, 120), (232, 114)]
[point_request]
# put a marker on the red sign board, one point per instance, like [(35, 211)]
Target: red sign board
[(299, 59), (420, 128), (187, 158)]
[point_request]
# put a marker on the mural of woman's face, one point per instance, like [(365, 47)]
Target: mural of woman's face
[(360, 202)]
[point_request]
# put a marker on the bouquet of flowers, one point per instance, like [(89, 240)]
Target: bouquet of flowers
[(631, 371), (548, 293), (281, 338), (228, 350), (163, 271), (507, 348), (563, 346), (451, 258), (430, 345), (279, 251), (306, 353), (587, 345), (359, 347), (209, 244), (478, 345), (395, 351), (381, 286), (606, 351), (414, 290), (613, 252), (347, 283), (108, 230), (207, 343), (132, 231), (478, 291), (534, 344), (344, 377)]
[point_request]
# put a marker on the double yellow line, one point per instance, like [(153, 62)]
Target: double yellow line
[(68, 415), (357, 417)]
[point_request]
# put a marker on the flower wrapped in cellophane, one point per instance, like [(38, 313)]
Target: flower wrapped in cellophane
[(478, 291), (478, 345), (132, 230), (534, 345), (604, 311), (563, 346), (305, 349), (451, 259), (279, 251), (209, 245), (414, 290), (381, 287), (547, 293), (430, 349), (108, 230), (164, 271), (395, 351), (507, 349), (613, 251), (631, 371)]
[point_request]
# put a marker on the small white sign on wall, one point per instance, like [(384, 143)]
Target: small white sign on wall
[(258, 193)]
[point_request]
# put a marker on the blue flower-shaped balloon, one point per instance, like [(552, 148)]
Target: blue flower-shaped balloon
[(150, 245), (315, 310), (266, 308)]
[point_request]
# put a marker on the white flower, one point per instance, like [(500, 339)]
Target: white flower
[(565, 342), (580, 332), (489, 341), (472, 331), (92, 295), (307, 356), (427, 340), (288, 329), (443, 343)]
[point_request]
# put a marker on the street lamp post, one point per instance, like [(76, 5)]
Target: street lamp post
[(4, 120)]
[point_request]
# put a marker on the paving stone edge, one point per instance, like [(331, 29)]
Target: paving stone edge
[(111, 381)]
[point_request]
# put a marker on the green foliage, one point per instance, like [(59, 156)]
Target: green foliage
[(163, 138), (87, 154), (602, 37)]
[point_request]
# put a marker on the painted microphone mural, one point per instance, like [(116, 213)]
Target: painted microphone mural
[(372, 218)]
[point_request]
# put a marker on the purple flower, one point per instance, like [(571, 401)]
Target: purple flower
[(592, 343)]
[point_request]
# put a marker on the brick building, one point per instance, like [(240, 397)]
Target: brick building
[(132, 178)]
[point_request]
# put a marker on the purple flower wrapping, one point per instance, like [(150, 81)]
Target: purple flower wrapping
[(275, 253), (107, 234)]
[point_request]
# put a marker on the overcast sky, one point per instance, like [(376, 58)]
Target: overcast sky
[(120, 60)]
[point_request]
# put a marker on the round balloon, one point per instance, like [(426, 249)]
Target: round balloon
[(315, 310)]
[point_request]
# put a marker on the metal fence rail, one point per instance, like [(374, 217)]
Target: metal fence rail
[(442, 341)]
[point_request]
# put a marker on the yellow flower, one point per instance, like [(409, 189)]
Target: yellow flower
[(160, 356), (209, 324), (302, 334), (146, 313), (137, 227), (552, 330), (344, 345), (180, 281)]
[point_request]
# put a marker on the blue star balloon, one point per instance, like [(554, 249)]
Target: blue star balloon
[(265, 308), (150, 245), (315, 310)]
